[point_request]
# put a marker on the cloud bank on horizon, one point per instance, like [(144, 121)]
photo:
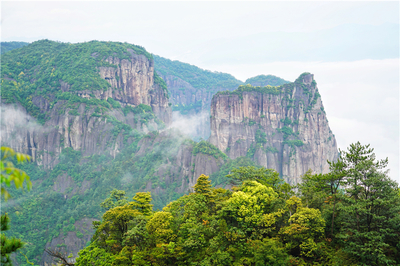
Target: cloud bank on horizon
[(352, 48)]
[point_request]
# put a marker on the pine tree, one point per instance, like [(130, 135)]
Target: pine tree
[(8, 245), (203, 186), (371, 210)]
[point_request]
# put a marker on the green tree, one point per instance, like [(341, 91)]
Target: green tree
[(9, 174), (159, 226), (116, 198), (319, 189), (305, 229), (248, 205), (141, 202), (371, 210), (267, 177), (203, 186)]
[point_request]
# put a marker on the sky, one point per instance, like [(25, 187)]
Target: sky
[(352, 48)]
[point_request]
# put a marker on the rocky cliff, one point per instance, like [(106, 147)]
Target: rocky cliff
[(191, 90), (85, 118), (283, 128)]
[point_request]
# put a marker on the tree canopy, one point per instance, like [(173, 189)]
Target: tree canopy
[(262, 221)]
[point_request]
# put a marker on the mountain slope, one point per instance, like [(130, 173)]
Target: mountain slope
[(87, 96), (8, 46), (191, 89)]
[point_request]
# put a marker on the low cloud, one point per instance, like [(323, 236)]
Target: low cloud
[(15, 123), (190, 125)]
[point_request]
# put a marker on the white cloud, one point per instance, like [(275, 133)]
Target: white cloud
[(189, 125)]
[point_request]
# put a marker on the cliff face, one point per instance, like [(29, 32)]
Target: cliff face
[(284, 128), (182, 166), (190, 101), (191, 90), (85, 127), (132, 83)]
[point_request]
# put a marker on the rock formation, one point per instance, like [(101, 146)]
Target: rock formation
[(81, 126), (284, 128)]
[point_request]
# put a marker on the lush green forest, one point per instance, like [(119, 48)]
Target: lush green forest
[(264, 80), (8, 46), (129, 170), (195, 76), (350, 216), (41, 67)]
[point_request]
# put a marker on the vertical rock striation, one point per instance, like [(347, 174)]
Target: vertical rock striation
[(284, 128), (89, 128)]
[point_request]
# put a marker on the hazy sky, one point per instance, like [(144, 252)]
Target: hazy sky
[(352, 48)]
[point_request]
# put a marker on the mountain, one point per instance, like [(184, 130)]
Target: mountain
[(191, 89), (265, 80), (283, 128), (86, 96), (8, 46), (97, 116), (94, 117)]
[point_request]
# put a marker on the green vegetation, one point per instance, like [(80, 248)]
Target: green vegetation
[(287, 131), (10, 174), (185, 109), (260, 137), (264, 80), (42, 68), (248, 88), (128, 170), (271, 150), (220, 177), (262, 221), (8, 46), (205, 147), (197, 77), (297, 143)]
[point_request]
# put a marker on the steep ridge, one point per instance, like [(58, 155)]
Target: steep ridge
[(283, 128), (94, 117), (90, 104), (191, 89)]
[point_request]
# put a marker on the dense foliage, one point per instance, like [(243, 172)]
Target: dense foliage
[(9, 174), (347, 217), (8, 46), (91, 177), (264, 80), (195, 76), (43, 67), (209, 149)]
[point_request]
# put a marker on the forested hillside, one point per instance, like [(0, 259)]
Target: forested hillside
[(96, 119), (93, 117), (260, 221), (265, 80), (8, 46)]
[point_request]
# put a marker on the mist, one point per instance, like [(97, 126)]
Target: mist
[(15, 122), (190, 125)]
